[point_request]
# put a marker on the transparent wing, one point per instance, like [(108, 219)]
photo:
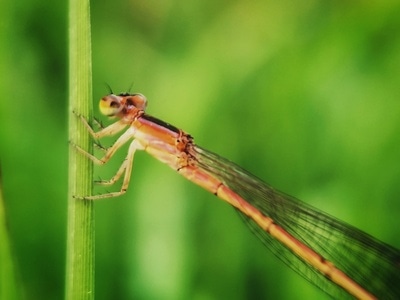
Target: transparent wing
[(371, 263)]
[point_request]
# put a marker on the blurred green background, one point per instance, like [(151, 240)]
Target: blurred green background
[(304, 94)]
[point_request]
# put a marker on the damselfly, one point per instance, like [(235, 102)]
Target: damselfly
[(337, 257)]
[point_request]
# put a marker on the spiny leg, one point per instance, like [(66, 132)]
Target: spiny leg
[(110, 151), (98, 146), (98, 123), (106, 131), (126, 168), (110, 130), (116, 177)]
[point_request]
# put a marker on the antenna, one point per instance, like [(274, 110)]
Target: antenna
[(109, 88)]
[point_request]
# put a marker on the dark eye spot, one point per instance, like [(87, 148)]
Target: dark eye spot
[(129, 101), (114, 104)]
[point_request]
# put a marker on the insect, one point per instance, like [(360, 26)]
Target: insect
[(337, 257)]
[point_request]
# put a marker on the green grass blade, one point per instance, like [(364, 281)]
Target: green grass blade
[(80, 235)]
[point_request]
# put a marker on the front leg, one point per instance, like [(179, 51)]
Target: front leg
[(129, 134), (107, 131), (126, 167)]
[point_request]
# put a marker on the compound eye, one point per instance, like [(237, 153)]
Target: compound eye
[(137, 100), (110, 105)]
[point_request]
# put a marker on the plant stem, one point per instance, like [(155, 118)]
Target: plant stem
[(80, 235)]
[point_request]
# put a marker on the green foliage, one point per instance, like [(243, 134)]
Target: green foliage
[(304, 95), (8, 280)]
